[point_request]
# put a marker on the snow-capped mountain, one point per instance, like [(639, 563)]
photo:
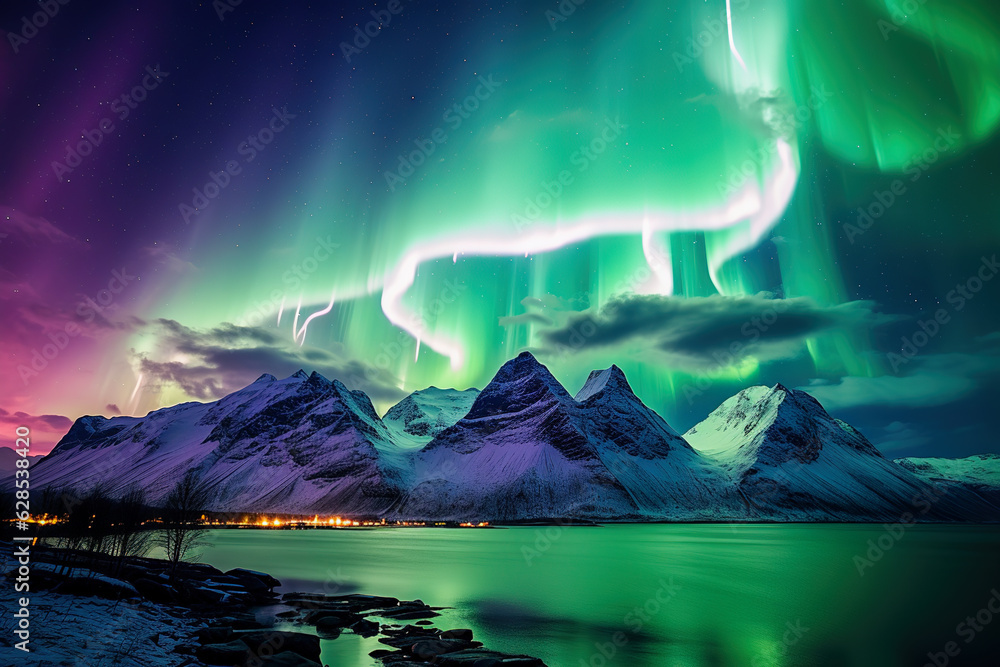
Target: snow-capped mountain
[(527, 449), (423, 414), (522, 448), (9, 458), (301, 444), (980, 473), (791, 460)]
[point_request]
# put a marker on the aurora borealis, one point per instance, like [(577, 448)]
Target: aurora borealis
[(808, 198)]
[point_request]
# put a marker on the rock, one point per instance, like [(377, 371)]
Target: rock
[(155, 591), (214, 635), (287, 614), (186, 649), (365, 628), (369, 601), (405, 642), (461, 633), (286, 659), (216, 596), (339, 617), (428, 649), (425, 623), (407, 613), (265, 579), (274, 641), (198, 571), (232, 653), (479, 657)]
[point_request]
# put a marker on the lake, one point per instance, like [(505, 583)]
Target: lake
[(663, 595)]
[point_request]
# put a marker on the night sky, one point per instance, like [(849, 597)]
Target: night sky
[(193, 194)]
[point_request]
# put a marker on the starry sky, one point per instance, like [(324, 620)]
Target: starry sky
[(399, 195)]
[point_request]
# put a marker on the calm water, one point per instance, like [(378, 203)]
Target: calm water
[(669, 595)]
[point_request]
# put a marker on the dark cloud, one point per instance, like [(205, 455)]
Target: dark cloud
[(229, 357), (526, 318), (694, 331), (45, 430), (547, 310)]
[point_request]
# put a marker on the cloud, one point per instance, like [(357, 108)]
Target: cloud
[(934, 380), (28, 228), (526, 318), (45, 430), (693, 332), (898, 437), (165, 255), (225, 358), (547, 310), (113, 409)]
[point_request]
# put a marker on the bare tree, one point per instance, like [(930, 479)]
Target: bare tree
[(182, 512), (130, 537)]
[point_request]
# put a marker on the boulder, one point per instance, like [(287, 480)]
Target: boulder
[(286, 659), (331, 616), (365, 628), (263, 578), (273, 642), (461, 633), (428, 649), (214, 635), (229, 654), (479, 657), (155, 591)]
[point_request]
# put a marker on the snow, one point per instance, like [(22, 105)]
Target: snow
[(978, 470), (419, 417), (74, 630), (791, 460), (521, 448)]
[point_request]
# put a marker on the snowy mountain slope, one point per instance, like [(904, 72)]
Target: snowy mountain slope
[(522, 448), (9, 458), (527, 449), (416, 419), (979, 470), (299, 444), (979, 473), (792, 461), (663, 474)]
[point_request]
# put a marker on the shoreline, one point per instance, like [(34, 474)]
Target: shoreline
[(141, 616)]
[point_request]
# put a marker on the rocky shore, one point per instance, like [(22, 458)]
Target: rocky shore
[(138, 613)]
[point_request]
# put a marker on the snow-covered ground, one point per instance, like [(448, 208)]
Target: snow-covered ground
[(93, 632)]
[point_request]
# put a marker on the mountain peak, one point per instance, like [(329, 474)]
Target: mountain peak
[(612, 379), (316, 378), (520, 366), (533, 383), (265, 378), (299, 375)]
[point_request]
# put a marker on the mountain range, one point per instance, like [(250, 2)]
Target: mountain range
[(523, 448)]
